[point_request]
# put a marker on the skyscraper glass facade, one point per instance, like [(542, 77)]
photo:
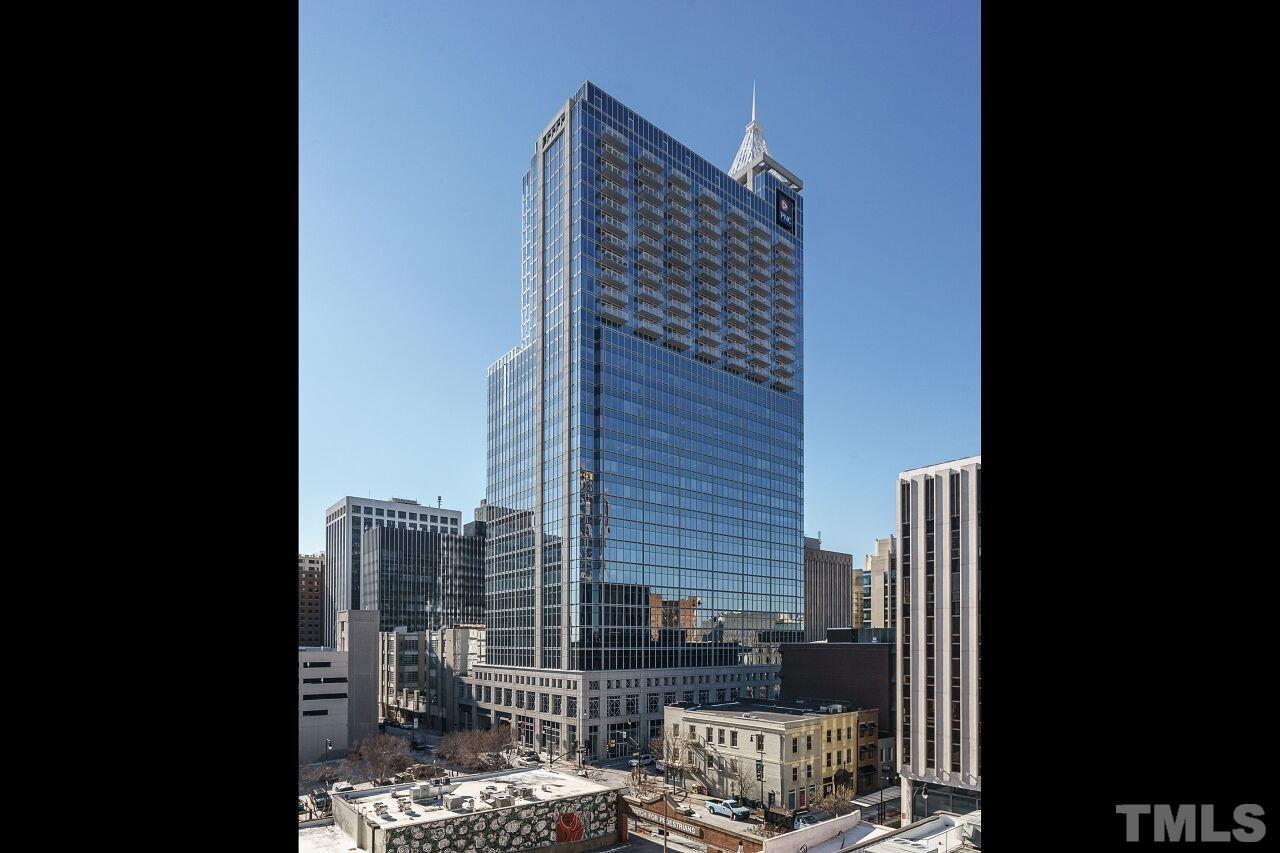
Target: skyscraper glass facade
[(646, 439)]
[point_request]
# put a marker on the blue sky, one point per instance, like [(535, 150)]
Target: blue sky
[(417, 121)]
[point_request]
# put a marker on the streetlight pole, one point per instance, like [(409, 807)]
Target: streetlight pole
[(887, 773)]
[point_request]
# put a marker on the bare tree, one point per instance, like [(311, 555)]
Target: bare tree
[(839, 801), (742, 777), (478, 750), (381, 755)]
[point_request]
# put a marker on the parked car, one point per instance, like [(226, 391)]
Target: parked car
[(729, 809), (660, 765), (687, 811), (810, 818), (643, 759), (320, 797), (340, 787)]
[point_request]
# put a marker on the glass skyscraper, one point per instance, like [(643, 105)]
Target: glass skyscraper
[(645, 452)]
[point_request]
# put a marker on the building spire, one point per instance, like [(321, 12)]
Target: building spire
[(753, 144)]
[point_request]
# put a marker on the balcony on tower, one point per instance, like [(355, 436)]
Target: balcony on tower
[(650, 212), (677, 195), (650, 294), (648, 329), (611, 312), (649, 160), (611, 260), (614, 138), (610, 293), (616, 227), (649, 312), (645, 194), (608, 205), (612, 155), (677, 290), (650, 179), (612, 243)]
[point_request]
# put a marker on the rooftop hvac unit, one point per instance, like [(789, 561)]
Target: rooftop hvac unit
[(503, 800), (456, 802), (418, 793)]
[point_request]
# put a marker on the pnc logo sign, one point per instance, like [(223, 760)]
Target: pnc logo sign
[(1189, 822)]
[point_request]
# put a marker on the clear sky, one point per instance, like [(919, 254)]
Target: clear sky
[(417, 121)]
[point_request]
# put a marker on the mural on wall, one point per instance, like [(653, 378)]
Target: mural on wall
[(572, 826), (512, 829)]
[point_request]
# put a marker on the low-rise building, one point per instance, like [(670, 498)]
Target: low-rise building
[(784, 756), (421, 672), (542, 810), (852, 667)]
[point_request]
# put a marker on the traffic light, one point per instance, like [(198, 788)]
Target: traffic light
[(759, 771)]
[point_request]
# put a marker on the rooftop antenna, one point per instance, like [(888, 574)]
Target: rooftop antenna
[(753, 100), (439, 501)]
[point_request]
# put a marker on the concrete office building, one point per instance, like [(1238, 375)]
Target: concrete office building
[(337, 689), (801, 753), (645, 439), (323, 692), (343, 524), (831, 597), (422, 580), (939, 639), (310, 599), (421, 672), (880, 567)]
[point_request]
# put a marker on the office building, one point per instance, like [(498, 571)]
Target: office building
[(310, 599), (645, 437), (421, 672), (782, 755), (322, 705), (422, 580), (939, 636), (880, 567), (337, 689), (830, 595), (344, 523)]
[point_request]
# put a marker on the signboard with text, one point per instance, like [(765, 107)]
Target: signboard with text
[(677, 825), (785, 208)]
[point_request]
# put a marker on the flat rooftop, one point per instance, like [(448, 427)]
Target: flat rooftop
[(780, 713), (546, 784)]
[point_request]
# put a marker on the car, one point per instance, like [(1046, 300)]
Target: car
[(660, 765), (320, 796), (810, 818), (687, 811), (729, 809), (340, 787), (642, 759)]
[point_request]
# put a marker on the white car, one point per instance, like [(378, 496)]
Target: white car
[(645, 758), (660, 765)]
